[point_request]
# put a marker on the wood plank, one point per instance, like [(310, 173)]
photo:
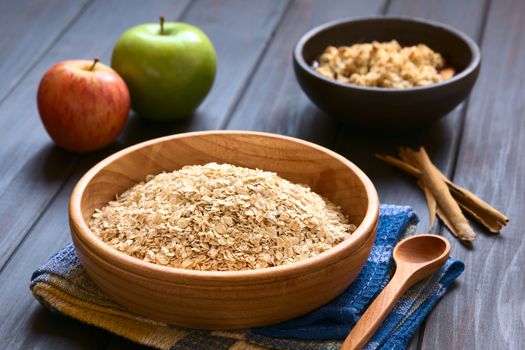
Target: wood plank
[(25, 323), (28, 29), (487, 311), (250, 26), (34, 169), (51, 230), (240, 31), (273, 100)]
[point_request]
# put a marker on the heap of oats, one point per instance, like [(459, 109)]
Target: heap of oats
[(220, 217)]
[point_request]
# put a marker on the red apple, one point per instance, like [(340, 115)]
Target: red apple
[(83, 104)]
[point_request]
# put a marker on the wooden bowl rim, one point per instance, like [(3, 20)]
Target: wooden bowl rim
[(359, 237)]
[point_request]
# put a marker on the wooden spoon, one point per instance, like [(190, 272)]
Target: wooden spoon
[(416, 257)]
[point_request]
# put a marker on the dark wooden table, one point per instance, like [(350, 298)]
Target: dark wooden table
[(480, 144)]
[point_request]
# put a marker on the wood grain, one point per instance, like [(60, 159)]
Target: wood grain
[(28, 30), (273, 100), (487, 311), (239, 50), (226, 299)]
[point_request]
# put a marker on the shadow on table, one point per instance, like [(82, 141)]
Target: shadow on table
[(52, 331), (139, 129), (50, 164), (361, 145)]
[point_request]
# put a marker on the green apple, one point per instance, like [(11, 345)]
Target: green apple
[(168, 68)]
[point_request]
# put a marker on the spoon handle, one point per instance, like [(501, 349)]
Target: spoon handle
[(376, 313)]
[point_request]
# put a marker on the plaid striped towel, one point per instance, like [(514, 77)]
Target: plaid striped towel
[(62, 285)]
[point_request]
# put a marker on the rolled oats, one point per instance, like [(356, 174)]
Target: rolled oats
[(220, 217)]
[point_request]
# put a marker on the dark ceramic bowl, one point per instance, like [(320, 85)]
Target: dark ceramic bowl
[(387, 108)]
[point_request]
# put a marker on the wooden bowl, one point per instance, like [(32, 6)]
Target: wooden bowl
[(387, 109), (215, 299)]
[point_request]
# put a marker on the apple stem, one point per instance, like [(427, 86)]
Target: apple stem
[(161, 25), (95, 61)]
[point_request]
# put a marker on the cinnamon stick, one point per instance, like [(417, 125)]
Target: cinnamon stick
[(486, 215), (480, 210), (450, 208), (400, 164), (431, 204), (448, 224)]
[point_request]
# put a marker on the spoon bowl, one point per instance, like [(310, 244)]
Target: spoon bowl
[(420, 256), (421, 249), (416, 258)]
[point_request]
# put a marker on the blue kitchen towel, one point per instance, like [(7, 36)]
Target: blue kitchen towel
[(62, 285)]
